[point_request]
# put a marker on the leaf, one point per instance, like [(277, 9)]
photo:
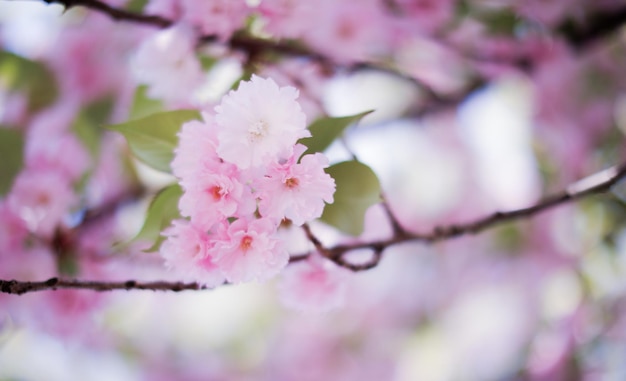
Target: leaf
[(501, 22), (358, 188), (144, 105), (12, 148), (153, 139), (162, 210), (87, 125), (136, 6), (325, 130), (31, 77)]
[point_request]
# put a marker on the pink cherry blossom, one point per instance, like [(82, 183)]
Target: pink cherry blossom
[(12, 230), (313, 285), (296, 190), (213, 197), (87, 59), (51, 144), (196, 149), (216, 17), (165, 8), (62, 152), (188, 250), (355, 29), (250, 251), (287, 18), (41, 199), (166, 62), (258, 122)]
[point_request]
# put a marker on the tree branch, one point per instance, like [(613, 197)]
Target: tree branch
[(118, 14), (441, 233), (597, 26), (336, 253), (19, 288)]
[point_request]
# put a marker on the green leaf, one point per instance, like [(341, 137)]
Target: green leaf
[(12, 148), (501, 22), (136, 6), (207, 62), (325, 130), (88, 123), (358, 188), (144, 105), (31, 77), (162, 210), (153, 139)]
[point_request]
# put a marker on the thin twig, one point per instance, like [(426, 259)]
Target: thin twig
[(442, 233)]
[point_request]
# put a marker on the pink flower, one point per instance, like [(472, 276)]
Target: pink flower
[(12, 231), (219, 17), (313, 285), (249, 250), (89, 60), (41, 199), (212, 197), (168, 64), (197, 147), (50, 145), (258, 122), (287, 18), (166, 8), (62, 152), (188, 251), (296, 190), (351, 32)]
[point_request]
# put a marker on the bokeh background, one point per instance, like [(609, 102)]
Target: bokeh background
[(522, 109)]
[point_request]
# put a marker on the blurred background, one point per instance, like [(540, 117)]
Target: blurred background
[(480, 106)]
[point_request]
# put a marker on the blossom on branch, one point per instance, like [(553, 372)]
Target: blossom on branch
[(250, 251), (189, 251), (243, 158), (296, 191), (258, 122)]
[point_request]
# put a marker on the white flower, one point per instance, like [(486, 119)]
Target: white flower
[(258, 122)]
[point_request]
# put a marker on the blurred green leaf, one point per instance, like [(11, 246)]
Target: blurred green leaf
[(88, 124), (207, 62), (144, 105), (136, 6), (153, 139), (501, 22), (162, 210), (12, 149), (358, 188), (325, 130), (31, 77)]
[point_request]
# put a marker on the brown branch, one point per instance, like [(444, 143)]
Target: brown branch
[(253, 46), (117, 14), (597, 26), (336, 253), (442, 233), (19, 288)]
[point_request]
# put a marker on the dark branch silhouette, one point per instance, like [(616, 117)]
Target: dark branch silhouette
[(337, 253), (442, 233), (115, 13), (578, 34), (19, 288)]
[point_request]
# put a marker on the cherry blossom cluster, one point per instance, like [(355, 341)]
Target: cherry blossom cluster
[(243, 174)]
